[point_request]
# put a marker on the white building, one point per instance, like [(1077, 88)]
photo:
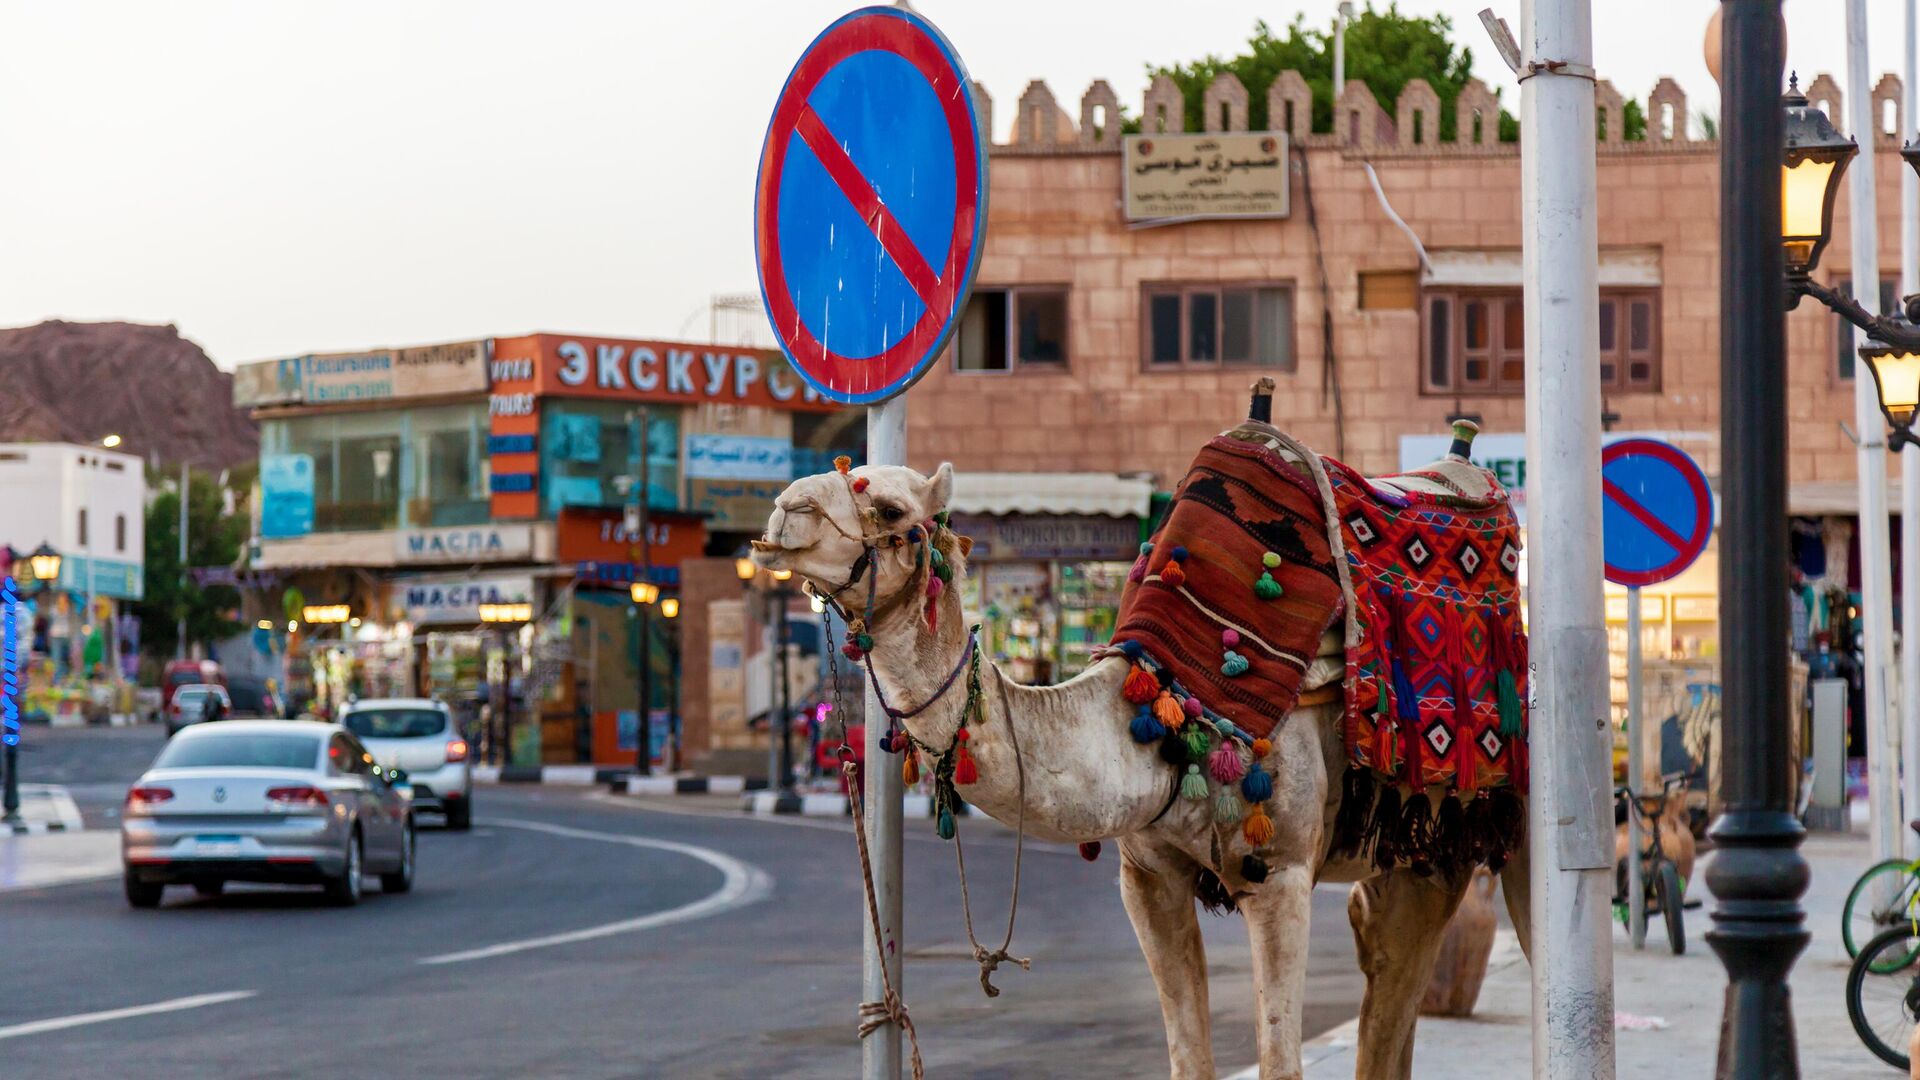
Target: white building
[(89, 504)]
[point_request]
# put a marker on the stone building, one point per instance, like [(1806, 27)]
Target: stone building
[(1384, 296)]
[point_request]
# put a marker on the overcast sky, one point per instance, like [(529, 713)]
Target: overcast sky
[(279, 178)]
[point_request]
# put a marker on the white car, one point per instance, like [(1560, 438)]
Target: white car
[(289, 801), (418, 737)]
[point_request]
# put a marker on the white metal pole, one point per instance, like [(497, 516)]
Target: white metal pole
[(1910, 455), (1636, 882), (880, 1051), (86, 545), (1570, 824), (1876, 573), (1344, 13)]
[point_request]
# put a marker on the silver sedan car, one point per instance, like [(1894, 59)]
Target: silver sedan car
[(266, 800)]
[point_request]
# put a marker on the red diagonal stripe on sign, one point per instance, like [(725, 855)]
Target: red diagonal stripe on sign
[(1642, 514), (866, 202)]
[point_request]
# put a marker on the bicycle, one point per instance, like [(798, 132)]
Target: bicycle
[(1883, 993), (1898, 882), (1665, 889)]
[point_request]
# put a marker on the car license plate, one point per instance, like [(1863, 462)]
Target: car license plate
[(215, 846)]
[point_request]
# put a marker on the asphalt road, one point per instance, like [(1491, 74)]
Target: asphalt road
[(461, 977)]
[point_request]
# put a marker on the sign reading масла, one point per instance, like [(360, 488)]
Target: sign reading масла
[(1218, 174), (457, 599), (464, 543)]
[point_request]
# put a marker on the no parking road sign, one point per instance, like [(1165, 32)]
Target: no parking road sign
[(872, 204), (1656, 511)]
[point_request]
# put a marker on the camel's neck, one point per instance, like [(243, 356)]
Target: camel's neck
[(1085, 778)]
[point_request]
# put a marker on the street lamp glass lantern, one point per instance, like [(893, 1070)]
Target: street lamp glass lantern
[(744, 569), (1816, 157), (670, 607), (781, 575), (45, 562), (645, 592), (1896, 375)]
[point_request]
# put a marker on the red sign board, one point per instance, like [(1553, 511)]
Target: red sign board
[(593, 535)]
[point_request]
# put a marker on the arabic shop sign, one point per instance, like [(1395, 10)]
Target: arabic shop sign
[(1219, 174)]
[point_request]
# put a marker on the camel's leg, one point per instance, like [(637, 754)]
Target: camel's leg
[(1159, 901), (1516, 884), (1277, 915), (1397, 922)]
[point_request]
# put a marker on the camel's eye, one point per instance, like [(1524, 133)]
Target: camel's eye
[(891, 514)]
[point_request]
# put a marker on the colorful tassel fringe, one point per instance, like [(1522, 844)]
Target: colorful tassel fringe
[(1224, 764), (1193, 785), (1257, 786), (1090, 850), (1145, 728), (910, 769), (1258, 828), (945, 825), (1168, 712), (1141, 687), (1227, 809)]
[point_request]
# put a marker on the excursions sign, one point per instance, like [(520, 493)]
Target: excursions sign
[(663, 371), (372, 375)]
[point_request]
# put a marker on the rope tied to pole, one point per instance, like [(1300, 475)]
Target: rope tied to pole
[(890, 1009)]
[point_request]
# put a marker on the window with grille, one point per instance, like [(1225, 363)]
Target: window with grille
[(1474, 341), (1185, 327)]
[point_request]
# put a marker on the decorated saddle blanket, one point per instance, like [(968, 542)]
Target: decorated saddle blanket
[(1264, 547)]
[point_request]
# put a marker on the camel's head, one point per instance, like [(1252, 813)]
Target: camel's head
[(822, 525)]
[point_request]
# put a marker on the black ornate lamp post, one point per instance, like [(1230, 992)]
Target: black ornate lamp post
[(1757, 875), (645, 594), (670, 611)]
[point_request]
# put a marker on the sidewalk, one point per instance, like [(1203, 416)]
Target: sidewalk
[(1684, 991), (38, 860)]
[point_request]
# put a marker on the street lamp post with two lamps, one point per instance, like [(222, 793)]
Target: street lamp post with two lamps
[(645, 594)]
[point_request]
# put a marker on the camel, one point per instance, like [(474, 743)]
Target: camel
[(1085, 781)]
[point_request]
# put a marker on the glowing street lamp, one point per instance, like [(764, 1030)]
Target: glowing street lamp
[(645, 592), (670, 608), (1896, 375), (1816, 157), (45, 563), (744, 569)]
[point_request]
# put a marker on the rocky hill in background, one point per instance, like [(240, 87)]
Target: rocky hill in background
[(76, 382)]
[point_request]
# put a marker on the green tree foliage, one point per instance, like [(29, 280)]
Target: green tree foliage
[(214, 538), (1385, 50)]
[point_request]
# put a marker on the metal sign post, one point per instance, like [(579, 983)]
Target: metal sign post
[(1656, 518), (870, 220)]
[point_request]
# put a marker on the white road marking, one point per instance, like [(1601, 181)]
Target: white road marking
[(61, 1023), (744, 884), (999, 841)]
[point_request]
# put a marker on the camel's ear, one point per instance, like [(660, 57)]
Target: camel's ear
[(939, 489), (966, 545)]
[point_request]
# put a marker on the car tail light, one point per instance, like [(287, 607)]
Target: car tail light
[(457, 750), (147, 796), (298, 795), (176, 708)]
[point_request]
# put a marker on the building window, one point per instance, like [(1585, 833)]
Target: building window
[(587, 448), (1003, 329), (83, 526), (120, 532), (1205, 326), (1845, 348), (1475, 341)]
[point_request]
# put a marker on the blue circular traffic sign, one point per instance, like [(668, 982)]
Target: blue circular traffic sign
[(870, 210), (1656, 511)]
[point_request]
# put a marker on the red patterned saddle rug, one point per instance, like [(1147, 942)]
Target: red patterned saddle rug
[(1263, 547)]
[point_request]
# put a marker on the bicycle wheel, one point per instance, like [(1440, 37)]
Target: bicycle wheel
[(1667, 894), (1880, 1002), (1861, 918)]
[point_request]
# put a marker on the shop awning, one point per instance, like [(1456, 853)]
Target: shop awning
[(1835, 498), (1106, 494)]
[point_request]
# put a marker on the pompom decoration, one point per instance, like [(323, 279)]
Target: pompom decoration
[(964, 770), (914, 535), (1145, 728), (1261, 748), (1198, 743), (1171, 574), (1193, 785), (1234, 664), (1271, 560), (1139, 572), (945, 825), (1266, 588), (1146, 549), (1133, 649), (842, 463), (1090, 850), (1179, 554), (853, 652), (859, 484), (1224, 763), (1229, 637), (1258, 828), (1228, 808), (864, 640), (1257, 786), (910, 769), (1141, 687), (935, 586), (1168, 712), (1193, 707), (1254, 869)]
